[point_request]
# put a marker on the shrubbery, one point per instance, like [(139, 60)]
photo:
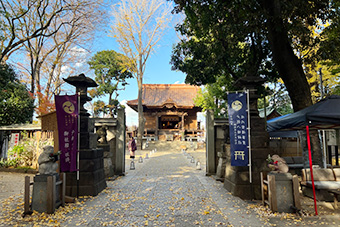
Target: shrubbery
[(26, 153)]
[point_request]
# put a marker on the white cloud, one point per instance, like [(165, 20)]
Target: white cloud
[(201, 118), (131, 115), (65, 70), (81, 55)]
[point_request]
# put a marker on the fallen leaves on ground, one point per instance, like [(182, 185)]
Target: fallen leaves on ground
[(12, 210)]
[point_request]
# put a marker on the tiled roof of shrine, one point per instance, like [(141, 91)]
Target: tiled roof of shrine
[(165, 95)]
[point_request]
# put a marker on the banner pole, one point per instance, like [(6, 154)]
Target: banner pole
[(78, 144), (249, 139)]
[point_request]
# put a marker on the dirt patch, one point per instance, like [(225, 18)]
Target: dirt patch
[(12, 183)]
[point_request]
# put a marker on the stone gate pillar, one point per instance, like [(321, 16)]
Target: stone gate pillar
[(120, 143), (210, 144)]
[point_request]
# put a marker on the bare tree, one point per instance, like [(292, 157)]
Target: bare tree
[(14, 14), (47, 54), (138, 26)]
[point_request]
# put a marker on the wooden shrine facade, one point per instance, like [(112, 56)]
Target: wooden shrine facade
[(169, 110)]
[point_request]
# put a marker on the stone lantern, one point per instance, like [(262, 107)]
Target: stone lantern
[(91, 167), (237, 177)]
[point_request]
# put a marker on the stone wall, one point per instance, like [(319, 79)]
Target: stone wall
[(285, 147), (217, 136)]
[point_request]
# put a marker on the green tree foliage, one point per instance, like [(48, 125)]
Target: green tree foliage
[(238, 38), (223, 38), (99, 107), (277, 98), (214, 97), (111, 76), (27, 151), (330, 46), (16, 104)]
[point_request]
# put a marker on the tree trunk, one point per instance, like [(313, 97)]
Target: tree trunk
[(49, 81), (110, 107), (140, 114), (290, 68), (287, 63), (36, 77)]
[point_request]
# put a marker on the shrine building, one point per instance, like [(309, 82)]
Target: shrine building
[(169, 111)]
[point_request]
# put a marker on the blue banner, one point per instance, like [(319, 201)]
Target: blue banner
[(238, 128)]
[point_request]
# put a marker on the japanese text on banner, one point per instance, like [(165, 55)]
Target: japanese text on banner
[(238, 128), (67, 117)]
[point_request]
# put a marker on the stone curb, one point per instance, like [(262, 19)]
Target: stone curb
[(12, 170)]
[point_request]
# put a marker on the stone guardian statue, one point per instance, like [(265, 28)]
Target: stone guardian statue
[(47, 161)]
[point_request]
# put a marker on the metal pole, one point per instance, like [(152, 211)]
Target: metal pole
[(324, 148), (78, 144), (321, 85), (249, 140), (323, 131), (264, 111)]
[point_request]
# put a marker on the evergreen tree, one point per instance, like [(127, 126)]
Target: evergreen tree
[(16, 104)]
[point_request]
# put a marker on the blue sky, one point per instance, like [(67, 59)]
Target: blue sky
[(158, 68)]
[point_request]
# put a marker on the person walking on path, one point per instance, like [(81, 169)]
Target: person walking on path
[(132, 147)]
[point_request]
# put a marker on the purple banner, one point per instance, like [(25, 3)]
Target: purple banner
[(67, 117), (238, 128)]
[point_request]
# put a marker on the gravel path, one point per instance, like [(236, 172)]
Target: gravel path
[(165, 190)]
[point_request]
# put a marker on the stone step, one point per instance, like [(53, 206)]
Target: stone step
[(169, 145)]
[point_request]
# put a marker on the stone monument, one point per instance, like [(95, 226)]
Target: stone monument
[(284, 191), (91, 165)]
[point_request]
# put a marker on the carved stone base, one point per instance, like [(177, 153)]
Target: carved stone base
[(108, 165), (90, 183), (91, 177), (237, 177)]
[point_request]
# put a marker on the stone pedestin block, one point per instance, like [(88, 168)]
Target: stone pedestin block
[(85, 178), (239, 175), (244, 191), (90, 165), (91, 175), (108, 166), (92, 190), (284, 191), (91, 154), (90, 183), (39, 195)]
